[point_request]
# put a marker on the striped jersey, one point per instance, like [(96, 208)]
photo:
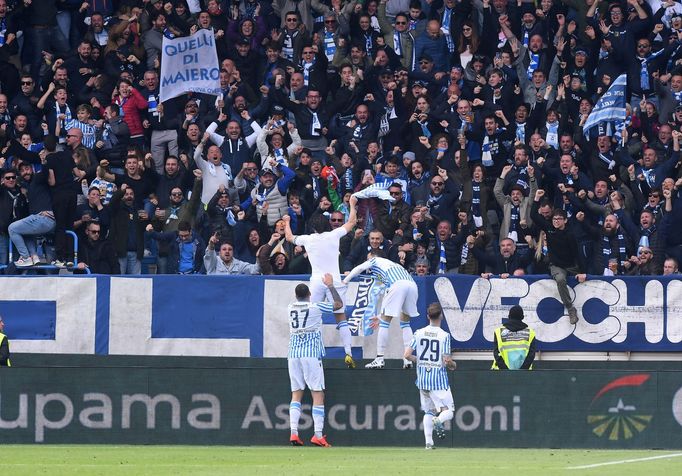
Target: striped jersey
[(305, 328), (88, 130), (386, 271), (431, 344)]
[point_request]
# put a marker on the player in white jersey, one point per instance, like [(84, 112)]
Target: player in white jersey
[(306, 350), (323, 254), (432, 347), (400, 299)]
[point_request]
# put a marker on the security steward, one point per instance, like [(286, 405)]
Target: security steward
[(4, 346), (514, 343)]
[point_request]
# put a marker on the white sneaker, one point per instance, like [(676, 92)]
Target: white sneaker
[(36, 259), (59, 264), (377, 363), (407, 364), (23, 262), (429, 446)]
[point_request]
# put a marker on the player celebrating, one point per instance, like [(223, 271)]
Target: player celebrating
[(432, 346), (400, 299), (323, 254), (305, 357)]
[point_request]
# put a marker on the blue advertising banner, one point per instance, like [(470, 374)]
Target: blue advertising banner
[(244, 316)]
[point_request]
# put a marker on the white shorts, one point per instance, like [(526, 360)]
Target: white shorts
[(306, 371), (319, 292), (436, 399), (400, 298)]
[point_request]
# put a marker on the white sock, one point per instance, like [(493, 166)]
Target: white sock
[(294, 416), (428, 428), (318, 419), (382, 337), (407, 333), (344, 332), (445, 415)]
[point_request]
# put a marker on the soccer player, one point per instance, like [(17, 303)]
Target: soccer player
[(432, 346), (305, 356), (323, 254), (400, 299)]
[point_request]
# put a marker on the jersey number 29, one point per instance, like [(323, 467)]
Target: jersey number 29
[(430, 346), (295, 319)]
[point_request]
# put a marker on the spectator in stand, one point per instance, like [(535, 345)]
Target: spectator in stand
[(563, 252), (13, 207), (127, 230), (95, 253), (225, 262)]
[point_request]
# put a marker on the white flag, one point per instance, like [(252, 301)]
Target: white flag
[(189, 64)]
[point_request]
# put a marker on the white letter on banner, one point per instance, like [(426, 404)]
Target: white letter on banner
[(495, 311), (650, 313), (189, 64), (462, 320), (130, 327), (609, 294), (673, 301), (75, 309)]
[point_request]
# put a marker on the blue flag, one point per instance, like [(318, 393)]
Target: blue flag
[(610, 109)]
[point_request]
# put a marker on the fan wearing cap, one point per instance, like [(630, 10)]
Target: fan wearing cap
[(514, 345), (270, 195)]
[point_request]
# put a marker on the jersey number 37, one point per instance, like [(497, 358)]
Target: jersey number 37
[(295, 319)]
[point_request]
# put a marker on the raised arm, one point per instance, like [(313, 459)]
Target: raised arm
[(353, 216), (288, 234)]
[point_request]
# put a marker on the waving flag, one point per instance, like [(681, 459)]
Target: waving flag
[(610, 109)]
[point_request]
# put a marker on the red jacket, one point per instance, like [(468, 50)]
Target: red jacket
[(131, 108)]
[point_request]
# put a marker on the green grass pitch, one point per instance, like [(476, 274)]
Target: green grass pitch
[(218, 460)]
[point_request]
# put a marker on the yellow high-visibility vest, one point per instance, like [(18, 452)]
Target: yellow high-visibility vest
[(513, 346), (3, 337)]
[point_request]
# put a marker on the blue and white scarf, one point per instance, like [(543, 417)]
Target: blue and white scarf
[(606, 250)]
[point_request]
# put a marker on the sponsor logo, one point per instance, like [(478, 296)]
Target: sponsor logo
[(618, 410)]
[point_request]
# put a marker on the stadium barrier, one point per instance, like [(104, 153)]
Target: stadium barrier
[(249, 406), (245, 316)]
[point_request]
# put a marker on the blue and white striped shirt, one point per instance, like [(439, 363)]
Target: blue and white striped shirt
[(305, 324), (89, 132), (431, 344), (382, 269)]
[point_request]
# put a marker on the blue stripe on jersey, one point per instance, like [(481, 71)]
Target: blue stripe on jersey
[(391, 275), (431, 373), (305, 322), (325, 306)]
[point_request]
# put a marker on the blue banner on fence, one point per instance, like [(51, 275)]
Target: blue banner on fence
[(244, 316)]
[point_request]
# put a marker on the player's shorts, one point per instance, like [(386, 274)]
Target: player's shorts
[(306, 371), (436, 399), (401, 297), (319, 292)]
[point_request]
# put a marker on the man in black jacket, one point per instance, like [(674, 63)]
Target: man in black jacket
[(13, 207), (97, 254), (562, 247)]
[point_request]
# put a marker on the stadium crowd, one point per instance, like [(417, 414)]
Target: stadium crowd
[(464, 116)]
